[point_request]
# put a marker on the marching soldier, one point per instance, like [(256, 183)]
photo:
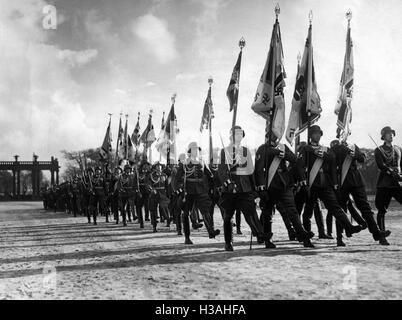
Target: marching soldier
[(98, 199), (174, 205), (127, 187), (108, 177), (158, 196), (192, 181), (76, 195), (351, 184), (236, 174), (145, 190), (389, 185), (320, 164), (274, 186), (88, 193), (114, 194)]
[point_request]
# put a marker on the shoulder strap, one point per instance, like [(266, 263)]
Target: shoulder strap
[(346, 165), (274, 165)]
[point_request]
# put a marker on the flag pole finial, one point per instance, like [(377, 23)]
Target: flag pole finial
[(349, 15), (242, 43), (139, 115), (298, 57), (110, 115), (277, 10), (210, 80), (174, 97), (310, 16)]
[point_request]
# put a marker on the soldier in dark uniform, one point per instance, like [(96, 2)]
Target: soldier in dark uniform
[(145, 190), (174, 197), (352, 184), (389, 185), (114, 194), (75, 188), (98, 199), (322, 181), (127, 187), (108, 191), (88, 193), (274, 186), (192, 180), (236, 174), (158, 196)]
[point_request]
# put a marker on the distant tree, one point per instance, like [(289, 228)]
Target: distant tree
[(6, 182), (73, 157)]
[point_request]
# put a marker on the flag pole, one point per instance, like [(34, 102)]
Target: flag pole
[(242, 44), (118, 140), (126, 138), (309, 83), (297, 140), (210, 81), (108, 154), (150, 147)]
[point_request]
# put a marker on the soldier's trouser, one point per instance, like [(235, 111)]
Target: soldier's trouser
[(243, 201), (319, 219), (114, 205), (285, 204), (285, 218), (382, 200), (175, 208), (142, 201), (124, 202), (328, 196), (203, 203), (97, 205), (158, 199), (215, 202), (300, 200), (360, 198)]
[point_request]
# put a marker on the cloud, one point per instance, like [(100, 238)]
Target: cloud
[(150, 84), (155, 34), (77, 58), (40, 101)]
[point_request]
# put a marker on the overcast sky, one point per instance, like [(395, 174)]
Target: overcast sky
[(57, 86)]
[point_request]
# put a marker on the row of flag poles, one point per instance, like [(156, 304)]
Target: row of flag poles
[(127, 146), (268, 102)]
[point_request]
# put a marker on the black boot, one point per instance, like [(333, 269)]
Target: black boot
[(307, 244), (269, 245), (228, 235), (340, 243)]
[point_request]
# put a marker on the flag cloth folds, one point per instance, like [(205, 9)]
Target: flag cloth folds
[(168, 140), (233, 89), (106, 147), (148, 136), (130, 150), (269, 96), (135, 137), (343, 108), (305, 90), (208, 112), (124, 143), (119, 146)]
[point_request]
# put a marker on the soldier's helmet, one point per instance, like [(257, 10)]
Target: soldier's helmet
[(314, 129), (145, 164), (334, 143), (127, 167), (157, 165), (234, 128), (386, 130), (193, 145)]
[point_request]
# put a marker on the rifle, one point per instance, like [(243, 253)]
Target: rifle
[(390, 170)]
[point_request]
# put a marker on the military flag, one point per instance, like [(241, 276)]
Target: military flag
[(306, 100), (208, 112), (106, 147), (120, 138), (135, 137), (148, 136), (269, 99), (343, 108), (166, 143), (233, 89)]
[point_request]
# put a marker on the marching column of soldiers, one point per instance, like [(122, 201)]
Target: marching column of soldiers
[(295, 185)]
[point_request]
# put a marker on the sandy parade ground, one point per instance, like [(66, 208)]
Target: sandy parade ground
[(47, 255)]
